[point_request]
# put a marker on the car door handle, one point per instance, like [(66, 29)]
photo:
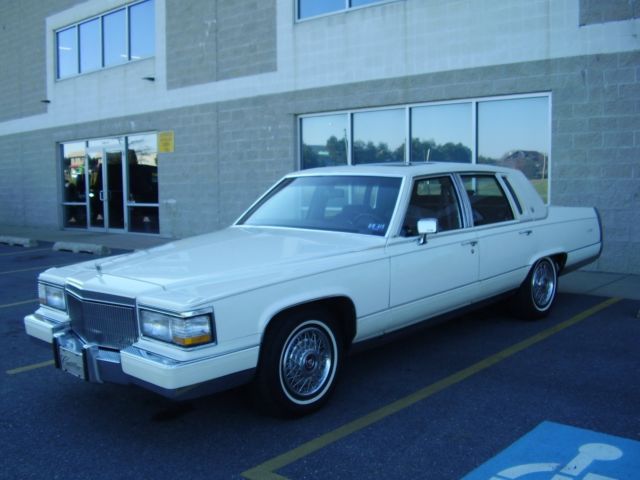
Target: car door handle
[(526, 232), (472, 243)]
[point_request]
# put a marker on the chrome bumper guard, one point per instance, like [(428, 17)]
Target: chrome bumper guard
[(86, 361)]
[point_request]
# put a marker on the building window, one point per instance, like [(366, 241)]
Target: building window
[(114, 38), (111, 184), (442, 133), (90, 55), (67, 42), (114, 47), (509, 131), (314, 8), (515, 133), (378, 136), (324, 140)]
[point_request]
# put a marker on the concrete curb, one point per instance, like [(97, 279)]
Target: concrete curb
[(23, 242), (76, 247)]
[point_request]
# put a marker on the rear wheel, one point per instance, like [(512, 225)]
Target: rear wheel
[(300, 359), (537, 294)]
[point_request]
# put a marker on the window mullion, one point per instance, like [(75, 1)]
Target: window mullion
[(349, 138), (128, 32), (474, 128), (77, 28), (407, 136)]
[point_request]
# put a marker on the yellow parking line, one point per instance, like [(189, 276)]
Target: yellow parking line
[(28, 368), (24, 302), (266, 470), (21, 252)]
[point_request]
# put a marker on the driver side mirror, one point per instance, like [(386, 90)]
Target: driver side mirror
[(426, 226)]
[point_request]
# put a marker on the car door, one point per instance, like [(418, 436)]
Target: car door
[(427, 279), (506, 245)]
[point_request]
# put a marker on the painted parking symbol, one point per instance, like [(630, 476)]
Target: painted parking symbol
[(575, 454)]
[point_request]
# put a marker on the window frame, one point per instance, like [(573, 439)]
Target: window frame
[(101, 48)]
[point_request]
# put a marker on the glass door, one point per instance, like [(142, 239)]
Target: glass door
[(106, 192), (95, 177), (106, 189), (113, 194)]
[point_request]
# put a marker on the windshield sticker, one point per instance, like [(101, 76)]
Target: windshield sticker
[(377, 227)]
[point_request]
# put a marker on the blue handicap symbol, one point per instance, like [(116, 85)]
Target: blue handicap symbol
[(558, 452)]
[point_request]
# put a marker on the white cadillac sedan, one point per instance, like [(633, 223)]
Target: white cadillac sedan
[(327, 258)]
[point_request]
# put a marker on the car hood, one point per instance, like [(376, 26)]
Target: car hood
[(224, 261)]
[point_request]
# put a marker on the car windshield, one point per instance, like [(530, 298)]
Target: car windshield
[(358, 204)]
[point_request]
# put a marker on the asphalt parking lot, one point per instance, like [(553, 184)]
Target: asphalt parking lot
[(436, 404)]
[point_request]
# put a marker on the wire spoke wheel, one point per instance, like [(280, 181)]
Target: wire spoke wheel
[(543, 284), (307, 361), (300, 361)]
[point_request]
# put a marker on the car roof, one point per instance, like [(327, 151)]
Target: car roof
[(402, 169)]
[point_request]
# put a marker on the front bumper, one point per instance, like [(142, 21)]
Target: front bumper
[(132, 365)]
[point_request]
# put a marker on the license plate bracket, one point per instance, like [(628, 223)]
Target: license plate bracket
[(72, 362)]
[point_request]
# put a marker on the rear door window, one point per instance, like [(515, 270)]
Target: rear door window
[(489, 204)]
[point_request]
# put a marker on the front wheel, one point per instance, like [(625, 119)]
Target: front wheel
[(300, 359), (537, 294)]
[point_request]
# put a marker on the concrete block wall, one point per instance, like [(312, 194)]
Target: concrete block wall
[(255, 148), (218, 40), (22, 56), (596, 152)]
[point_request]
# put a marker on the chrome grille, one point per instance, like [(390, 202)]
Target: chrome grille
[(105, 324)]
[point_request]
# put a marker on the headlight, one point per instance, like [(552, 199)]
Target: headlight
[(52, 296), (186, 330)]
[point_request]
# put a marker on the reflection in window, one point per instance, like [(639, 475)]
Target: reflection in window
[(129, 192), (115, 38), (360, 3), (142, 28), (107, 40), (379, 136), (144, 220), (67, 43), (324, 140), (142, 169), (90, 55), (312, 8), (74, 192), (442, 133), (515, 133)]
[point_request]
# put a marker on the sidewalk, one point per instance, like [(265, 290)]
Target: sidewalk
[(584, 282)]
